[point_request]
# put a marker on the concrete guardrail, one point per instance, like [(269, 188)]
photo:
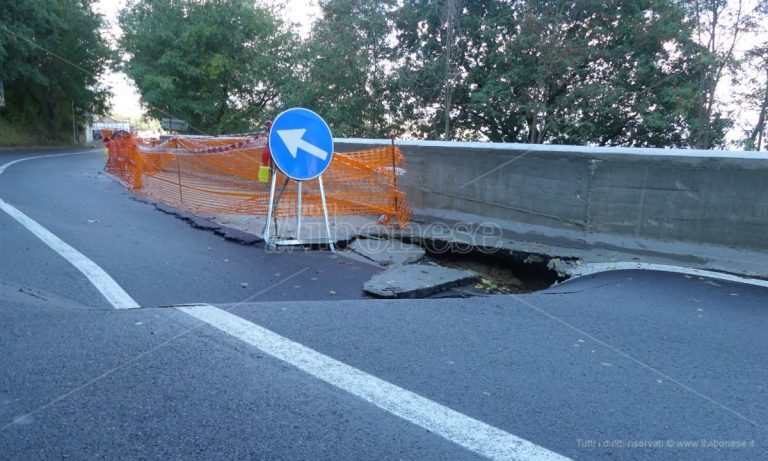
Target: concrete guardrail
[(710, 197)]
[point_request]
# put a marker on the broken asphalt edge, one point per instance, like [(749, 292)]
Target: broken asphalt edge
[(567, 267)]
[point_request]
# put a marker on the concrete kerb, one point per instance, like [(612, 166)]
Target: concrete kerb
[(559, 252), (703, 197)]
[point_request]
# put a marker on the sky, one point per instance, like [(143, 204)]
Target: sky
[(125, 96)]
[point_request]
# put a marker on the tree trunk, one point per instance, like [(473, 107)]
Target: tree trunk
[(452, 8), (758, 132)]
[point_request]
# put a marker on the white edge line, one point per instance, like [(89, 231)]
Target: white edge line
[(595, 268), (95, 274), (6, 165), (456, 427)]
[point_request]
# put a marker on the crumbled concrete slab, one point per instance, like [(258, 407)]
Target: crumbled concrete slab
[(238, 236), (203, 224), (167, 209), (387, 252), (417, 281)]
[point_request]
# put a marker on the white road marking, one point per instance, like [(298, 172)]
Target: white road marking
[(113, 292), (456, 427), (6, 165), (595, 268)]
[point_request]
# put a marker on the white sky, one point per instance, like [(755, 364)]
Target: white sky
[(125, 96)]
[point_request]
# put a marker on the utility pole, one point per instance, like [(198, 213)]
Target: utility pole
[(74, 130), (452, 9)]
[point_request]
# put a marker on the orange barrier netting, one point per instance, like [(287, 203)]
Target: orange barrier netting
[(221, 176)]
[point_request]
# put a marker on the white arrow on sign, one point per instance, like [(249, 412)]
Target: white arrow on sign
[(293, 141)]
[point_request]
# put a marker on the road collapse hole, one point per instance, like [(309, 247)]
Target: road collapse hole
[(502, 271)]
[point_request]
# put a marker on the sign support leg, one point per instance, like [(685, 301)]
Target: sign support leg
[(282, 191), (270, 208), (325, 213), (298, 211), (277, 201)]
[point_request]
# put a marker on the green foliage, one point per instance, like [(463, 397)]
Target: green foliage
[(615, 72), (341, 68), (51, 57), (718, 25), (755, 97), (620, 72), (13, 136), (752, 75), (217, 64)]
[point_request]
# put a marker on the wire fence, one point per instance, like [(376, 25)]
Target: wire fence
[(215, 176)]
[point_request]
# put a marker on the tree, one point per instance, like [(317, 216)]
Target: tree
[(753, 76), (218, 64), (719, 24), (758, 99), (342, 69), (620, 72), (51, 58)]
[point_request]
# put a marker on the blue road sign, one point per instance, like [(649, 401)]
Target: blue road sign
[(301, 144)]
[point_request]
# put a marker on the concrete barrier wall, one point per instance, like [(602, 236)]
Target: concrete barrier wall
[(714, 197)]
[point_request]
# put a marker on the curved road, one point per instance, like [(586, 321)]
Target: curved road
[(620, 365)]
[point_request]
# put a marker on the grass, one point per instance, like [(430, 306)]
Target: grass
[(17, 136)]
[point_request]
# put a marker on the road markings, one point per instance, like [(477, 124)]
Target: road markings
[(595, 268), (456, 427), (113, 292), (100, 279), (6, 165)]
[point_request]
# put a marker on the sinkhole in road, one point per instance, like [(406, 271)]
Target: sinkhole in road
[(501, 271)]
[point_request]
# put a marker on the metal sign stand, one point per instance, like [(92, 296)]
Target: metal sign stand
[(298, 130), (275, 201)]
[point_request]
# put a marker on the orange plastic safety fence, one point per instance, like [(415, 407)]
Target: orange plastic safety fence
[(212, 176)]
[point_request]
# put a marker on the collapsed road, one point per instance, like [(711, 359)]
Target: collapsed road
[(232, 351)]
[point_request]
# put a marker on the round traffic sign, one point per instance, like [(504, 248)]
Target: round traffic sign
[(301, 144)]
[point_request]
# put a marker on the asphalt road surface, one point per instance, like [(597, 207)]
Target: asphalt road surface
[(298, 364)]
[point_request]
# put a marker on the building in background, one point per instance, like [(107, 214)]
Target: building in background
[(93, 131)]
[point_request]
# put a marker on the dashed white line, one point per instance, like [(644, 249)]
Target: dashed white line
[(456, 427)]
